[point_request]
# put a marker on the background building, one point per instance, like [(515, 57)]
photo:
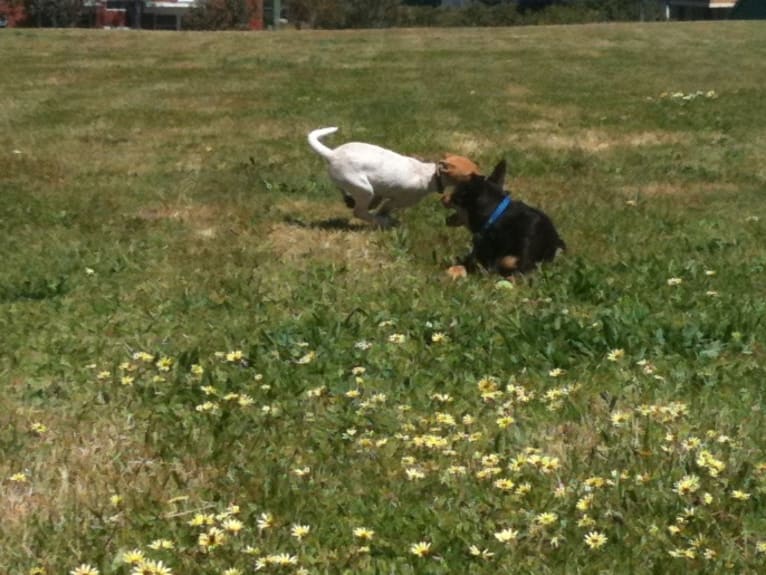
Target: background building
[(699, 9)]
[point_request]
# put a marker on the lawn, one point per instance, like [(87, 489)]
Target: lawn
[(208, 368)]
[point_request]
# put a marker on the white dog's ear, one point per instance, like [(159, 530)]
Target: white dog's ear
[(498, 174)]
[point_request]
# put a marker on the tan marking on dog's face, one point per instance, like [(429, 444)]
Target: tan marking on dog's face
[(459, 217), (457, 168)]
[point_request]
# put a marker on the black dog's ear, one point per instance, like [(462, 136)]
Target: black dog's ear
[(497, 176)]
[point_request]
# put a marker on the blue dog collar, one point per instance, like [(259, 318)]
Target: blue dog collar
[(496, 214), (499, 211)]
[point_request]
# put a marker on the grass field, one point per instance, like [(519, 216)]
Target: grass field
[(206, 370)]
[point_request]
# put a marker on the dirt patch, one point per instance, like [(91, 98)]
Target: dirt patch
[(466, 145), (517, 91), (83, 468), (593, 141), (183, 213), (326, 241), (202, 219), (687, 189), (311, 233), (566, 439), (545, 117)]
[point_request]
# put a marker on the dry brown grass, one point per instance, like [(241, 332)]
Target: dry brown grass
[(688, 190), (469, 145), (304, 247), (545, 134), (138, 150), (80, 465)]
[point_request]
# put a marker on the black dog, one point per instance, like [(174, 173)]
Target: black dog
[(509, 237)]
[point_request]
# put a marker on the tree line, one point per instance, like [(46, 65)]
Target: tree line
[(410, 13), (237, 14)]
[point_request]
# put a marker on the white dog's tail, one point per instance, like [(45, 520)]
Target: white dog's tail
[(318, 146)]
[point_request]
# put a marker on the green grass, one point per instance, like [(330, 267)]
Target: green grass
[(157, 195)]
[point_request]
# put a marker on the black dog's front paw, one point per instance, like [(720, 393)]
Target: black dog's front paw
[(457, 272)]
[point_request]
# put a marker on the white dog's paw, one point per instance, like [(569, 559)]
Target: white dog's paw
[(385, 222)]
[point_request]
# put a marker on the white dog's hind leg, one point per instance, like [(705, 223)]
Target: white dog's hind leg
[(362, 211), (359, 199), (364, 194), (383, 213), (362, 202), (348, 199)]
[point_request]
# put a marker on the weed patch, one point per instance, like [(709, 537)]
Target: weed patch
[(210, 367)]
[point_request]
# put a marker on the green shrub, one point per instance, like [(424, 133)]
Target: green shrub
[(218, 15)]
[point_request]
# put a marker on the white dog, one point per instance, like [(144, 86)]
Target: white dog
[(370, 176)]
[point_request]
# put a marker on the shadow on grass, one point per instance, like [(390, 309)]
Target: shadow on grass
[(343, 224)]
